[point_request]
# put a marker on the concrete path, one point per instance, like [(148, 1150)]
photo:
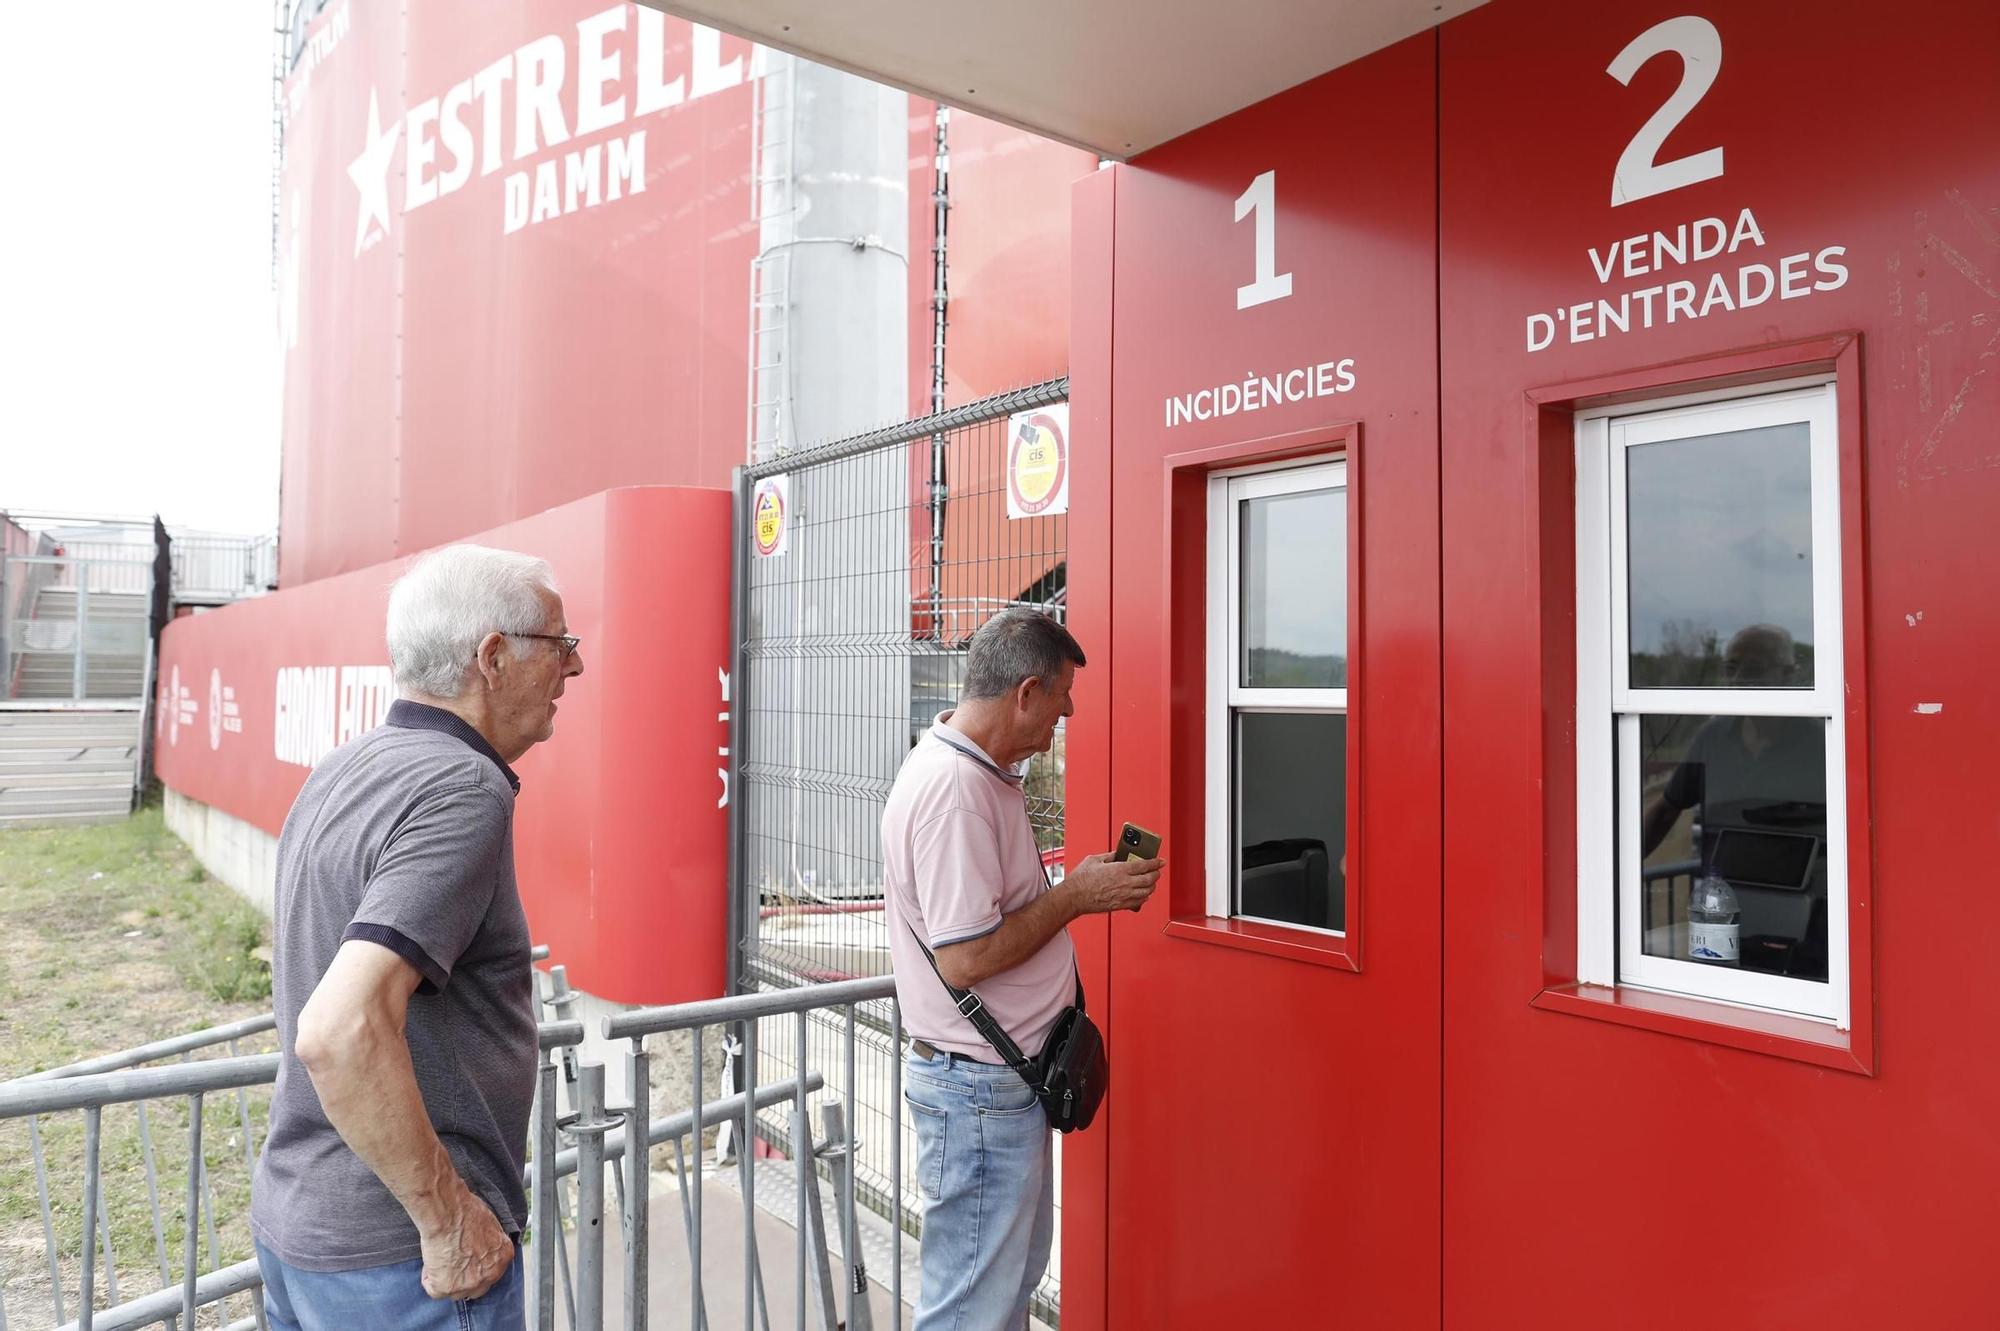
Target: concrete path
[(669, 1270)]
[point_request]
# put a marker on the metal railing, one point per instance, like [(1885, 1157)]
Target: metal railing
[(843, 1303), (222, 568), (571, 1150), (77, 627), (90, 1087)]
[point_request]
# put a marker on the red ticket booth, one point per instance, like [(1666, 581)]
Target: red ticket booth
[(1521, 477)]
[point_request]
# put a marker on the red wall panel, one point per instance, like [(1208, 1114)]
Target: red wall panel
[(1597, 1174), (630, 900), (1087, 818), (1273, 1133)]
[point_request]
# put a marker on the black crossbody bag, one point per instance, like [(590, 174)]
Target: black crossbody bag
[(1070, 1076)]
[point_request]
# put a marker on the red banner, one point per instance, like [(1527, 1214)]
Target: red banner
[(514, 258)]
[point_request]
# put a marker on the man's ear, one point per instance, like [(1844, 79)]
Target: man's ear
[(1024, 692), (491, 658)]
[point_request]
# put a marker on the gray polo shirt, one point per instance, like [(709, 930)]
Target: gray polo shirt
[(404, 838)]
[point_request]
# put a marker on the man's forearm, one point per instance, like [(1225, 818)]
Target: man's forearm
[(1658, 820), (1020, 936), (369, 1090)]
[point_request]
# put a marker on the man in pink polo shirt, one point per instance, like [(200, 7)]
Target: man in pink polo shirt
[(964, 877)]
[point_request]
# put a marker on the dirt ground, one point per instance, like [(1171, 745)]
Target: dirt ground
[(114, 936)]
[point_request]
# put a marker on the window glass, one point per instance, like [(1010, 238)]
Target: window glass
[(1291, 782), (1742, 800), (1720, 560), (1294, 590)]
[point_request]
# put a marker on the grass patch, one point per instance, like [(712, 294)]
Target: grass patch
[(117, 937)]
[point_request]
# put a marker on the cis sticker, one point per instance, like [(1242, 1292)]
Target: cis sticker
[(768, 511), (1038, 463)]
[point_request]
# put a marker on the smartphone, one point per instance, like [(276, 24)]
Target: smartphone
[(1136, 843)]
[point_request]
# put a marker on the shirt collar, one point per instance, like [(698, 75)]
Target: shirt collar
[(407, 715), (963, 743)]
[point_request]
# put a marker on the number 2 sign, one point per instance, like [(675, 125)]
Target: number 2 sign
[(1699, 46)]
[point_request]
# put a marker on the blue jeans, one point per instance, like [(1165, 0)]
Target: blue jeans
[(986, 1167), (383, 1298)]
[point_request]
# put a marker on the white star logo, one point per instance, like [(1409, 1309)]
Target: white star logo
[(370, 173)]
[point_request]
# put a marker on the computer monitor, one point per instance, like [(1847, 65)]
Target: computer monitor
[(1754, 857)]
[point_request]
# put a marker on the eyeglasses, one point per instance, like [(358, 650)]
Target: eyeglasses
[(569, 642)]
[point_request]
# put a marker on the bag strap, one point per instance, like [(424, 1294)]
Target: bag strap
[(974, 1010)]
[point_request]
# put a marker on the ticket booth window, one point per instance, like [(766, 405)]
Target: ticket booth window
[(1710, 745), (1277, 697)]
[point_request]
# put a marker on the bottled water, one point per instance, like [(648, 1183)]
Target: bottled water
[(1713, 921)]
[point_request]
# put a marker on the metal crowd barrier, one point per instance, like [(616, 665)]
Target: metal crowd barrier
[(94, 1084), (568, 1151), (812, 1267)]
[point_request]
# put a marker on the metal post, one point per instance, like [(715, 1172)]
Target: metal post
[(7, 638), (638, 1185), (837, 1148), (589, 1129), (803, 1162), (92, 1123), (739, 911), (753, 1266), (191, 1251), (746, 1170), (48, 1222), (813, 1232), (698, 1314), (110, 1256), (153, 1199), (80, 663), (243, 1117), (545, 1196), (895, 1108), (860, 1317), (561, 999)]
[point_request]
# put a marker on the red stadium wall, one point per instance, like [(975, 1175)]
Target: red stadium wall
[(1449, 1130), (526, 279), (494, 302), (632, 903)]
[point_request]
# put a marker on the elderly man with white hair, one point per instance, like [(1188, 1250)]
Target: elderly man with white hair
[(389, 1192)]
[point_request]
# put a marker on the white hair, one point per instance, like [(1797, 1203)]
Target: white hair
[(443, 608)]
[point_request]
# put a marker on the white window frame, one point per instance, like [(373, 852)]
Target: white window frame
[(1609, 936), (1227, 492)]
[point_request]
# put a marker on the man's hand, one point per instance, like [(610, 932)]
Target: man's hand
[(466, 1254), (1100, 884), (1095, 886)]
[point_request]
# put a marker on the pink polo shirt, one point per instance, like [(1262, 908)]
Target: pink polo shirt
[(958, 853)]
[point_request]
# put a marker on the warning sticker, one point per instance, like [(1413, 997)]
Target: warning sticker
[(770, 511), (1038, 463)]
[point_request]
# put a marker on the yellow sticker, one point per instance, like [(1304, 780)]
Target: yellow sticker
[(1038, 464), (767, 516)]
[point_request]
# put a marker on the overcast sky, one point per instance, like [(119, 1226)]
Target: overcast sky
[(138, 371)]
